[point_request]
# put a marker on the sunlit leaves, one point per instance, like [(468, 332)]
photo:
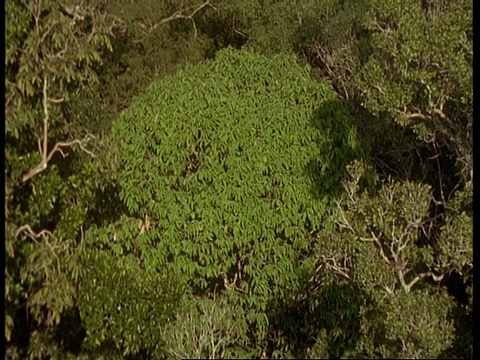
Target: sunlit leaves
[(216, 156)]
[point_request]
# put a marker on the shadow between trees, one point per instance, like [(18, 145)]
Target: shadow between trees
[(338, 146), (348, 132), (334, 309)]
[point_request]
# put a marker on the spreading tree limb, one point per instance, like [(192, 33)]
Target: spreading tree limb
[(175, 16), (43, 145)]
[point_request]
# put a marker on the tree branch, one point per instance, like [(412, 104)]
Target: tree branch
[(43, 146), (27, 230), (175, 16)]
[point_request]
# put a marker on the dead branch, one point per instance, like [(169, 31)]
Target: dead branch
[(343, 222), (45, 234), (342, 270), (43, 146), (175, 16), (27, 230)]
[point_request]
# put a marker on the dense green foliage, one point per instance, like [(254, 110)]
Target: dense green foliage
[(51, 56), (219, 180), (382, 230), (409, 60), (308, 194)]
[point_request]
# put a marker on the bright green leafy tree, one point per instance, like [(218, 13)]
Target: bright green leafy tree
[(215, 168)]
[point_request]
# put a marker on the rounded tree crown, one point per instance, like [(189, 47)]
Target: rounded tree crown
[(215, 157)]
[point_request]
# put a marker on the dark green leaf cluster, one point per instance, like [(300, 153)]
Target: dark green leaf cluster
[(46, 44), (407, 60), (123, 304), (50, 56)]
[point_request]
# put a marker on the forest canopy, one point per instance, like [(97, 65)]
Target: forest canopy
[(223, 179)]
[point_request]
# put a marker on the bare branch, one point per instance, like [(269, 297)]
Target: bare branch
[(409, 116), (238, 32), (408, 287), (80, 143), (45, 34), (175, 16), (343, 222), (332, 264), (43, 149), (56, 101), (43, 146), (27, 230), (376, 240)]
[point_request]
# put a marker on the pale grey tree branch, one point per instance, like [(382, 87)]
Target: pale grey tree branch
[(43, 145), (175, 16)]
